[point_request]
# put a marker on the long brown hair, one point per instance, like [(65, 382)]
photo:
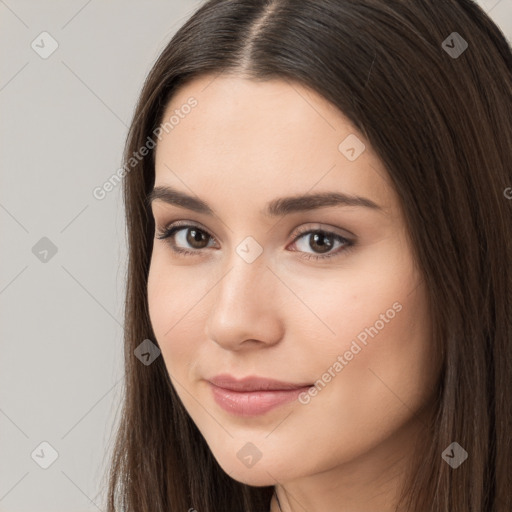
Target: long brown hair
[(439, 116)]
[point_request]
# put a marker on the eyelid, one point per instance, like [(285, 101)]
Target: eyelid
[(186, 224), (296, 232), (318, 226)]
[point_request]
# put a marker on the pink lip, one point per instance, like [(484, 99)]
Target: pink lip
[(252, 395)]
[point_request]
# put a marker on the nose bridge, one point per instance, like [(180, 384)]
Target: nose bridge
[(243, 302), (245, 286)]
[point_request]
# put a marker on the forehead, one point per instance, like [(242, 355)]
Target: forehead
[(259, 139)]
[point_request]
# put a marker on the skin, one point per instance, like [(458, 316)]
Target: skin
[(285, 317)]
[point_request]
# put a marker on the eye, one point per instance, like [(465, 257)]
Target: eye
[(183, 234), (322, 241)]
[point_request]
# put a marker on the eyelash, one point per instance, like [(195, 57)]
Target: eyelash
[(172, 229)]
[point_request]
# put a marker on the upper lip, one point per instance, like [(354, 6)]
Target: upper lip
[(253, 383)]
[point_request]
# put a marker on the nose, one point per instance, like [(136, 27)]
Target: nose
[(245, 312)]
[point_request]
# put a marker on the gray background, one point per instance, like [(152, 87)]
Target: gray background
[(63, 124)]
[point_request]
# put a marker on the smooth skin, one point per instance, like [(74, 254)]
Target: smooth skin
[(284, 316)]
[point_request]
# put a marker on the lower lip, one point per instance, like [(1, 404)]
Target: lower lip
[(253, 403)]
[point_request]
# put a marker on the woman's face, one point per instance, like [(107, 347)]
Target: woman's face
[(252, 300)]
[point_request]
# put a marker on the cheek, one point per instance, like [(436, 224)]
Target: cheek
[(353, 305), (177, 296), (384, 341), (375, 336), (172, 289), (379, 383)]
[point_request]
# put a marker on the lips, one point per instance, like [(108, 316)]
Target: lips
[(252, 396), (253, 384)]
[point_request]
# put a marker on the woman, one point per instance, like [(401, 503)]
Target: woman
[(318, 311)]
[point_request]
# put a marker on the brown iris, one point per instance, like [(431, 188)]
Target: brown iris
[(321, 240), (196, 236)]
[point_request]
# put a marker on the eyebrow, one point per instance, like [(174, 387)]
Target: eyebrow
[(275, 208)]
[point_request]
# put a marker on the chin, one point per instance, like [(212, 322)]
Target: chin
[(257, 479), (259, 475)]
